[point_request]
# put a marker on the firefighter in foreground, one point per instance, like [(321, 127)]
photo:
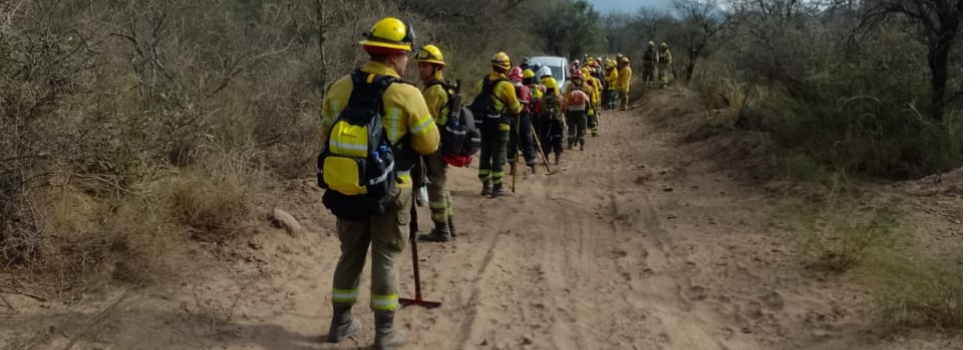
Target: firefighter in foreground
[(367, 174), (436, 92), (495, 108)]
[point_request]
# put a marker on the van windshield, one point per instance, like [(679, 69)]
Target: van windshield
[(557, 72)]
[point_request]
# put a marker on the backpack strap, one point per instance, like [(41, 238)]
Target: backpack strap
[(368, 92), (490, 85)]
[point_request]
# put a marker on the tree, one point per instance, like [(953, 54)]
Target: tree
[(700, 21), (937, 24)]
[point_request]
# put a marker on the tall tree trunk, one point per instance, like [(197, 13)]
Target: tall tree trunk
[(939, 66)]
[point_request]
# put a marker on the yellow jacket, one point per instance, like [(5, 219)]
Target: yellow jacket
[(505, 99), (436, 98), (623, 81), (611, 76), (596, 91), (405, 114)]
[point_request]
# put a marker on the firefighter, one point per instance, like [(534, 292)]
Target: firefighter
[(612, 74), (577, 104), (520, 135), (549, 121), (665, 64), (595, 99), (503, 108), (623, 83), (430, 67), (388, 44), (649, 58)]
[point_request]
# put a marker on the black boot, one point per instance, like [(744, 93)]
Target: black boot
[(385, 335), (557, 159), (452, 227), (343, 324), (498, 191), (440, 233), (486, 189)]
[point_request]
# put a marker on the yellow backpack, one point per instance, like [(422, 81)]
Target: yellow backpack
[(357, 162)]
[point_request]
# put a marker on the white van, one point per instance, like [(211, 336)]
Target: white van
[(557, 65)]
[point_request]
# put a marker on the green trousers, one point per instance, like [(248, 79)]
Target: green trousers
[(577, 121), (493, 155), (664, 74), (386, 235), (439, 202), (624, 100)]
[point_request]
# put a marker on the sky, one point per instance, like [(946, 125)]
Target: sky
[(607, 6)]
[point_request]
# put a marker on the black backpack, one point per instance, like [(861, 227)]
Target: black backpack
[(550, 107), (485, 115), (356, 165), (460, 135)]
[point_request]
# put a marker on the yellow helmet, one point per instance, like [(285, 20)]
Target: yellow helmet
[(431, 54), (650, 43), (610, 63), (551, 84), (528, 74), (389, 35), (501, 61), (663, 44), (625, 59)]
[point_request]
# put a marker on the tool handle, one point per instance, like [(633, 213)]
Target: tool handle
[(413, 228)]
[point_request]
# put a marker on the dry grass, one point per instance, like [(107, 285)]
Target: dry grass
[(916, 291), (836, 229), (212, 207), (88, 238)]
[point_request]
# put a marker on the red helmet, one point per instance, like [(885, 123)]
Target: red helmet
[(516, 74), (576, 74)]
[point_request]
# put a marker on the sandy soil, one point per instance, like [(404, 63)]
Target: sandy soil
[(640, 242)]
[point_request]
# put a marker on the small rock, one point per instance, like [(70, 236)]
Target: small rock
[(671, 216), (746, 330), (484, 343), (668, 189), (663, 172), (252, 244), (527, 340), (283, 219)]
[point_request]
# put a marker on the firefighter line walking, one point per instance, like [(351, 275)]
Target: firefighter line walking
[(387, 147)]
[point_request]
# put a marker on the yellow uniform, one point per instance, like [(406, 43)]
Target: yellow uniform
[(493, 147)]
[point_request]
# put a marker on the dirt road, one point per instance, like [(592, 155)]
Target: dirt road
[(638, 243)]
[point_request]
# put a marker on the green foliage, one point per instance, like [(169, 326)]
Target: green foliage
[(569, 30)]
